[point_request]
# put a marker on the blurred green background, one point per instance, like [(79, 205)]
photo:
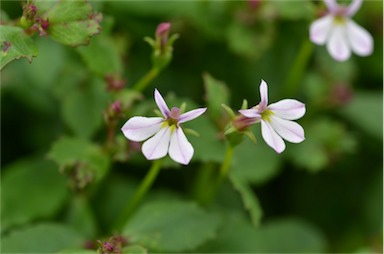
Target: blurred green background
[(325, 192)]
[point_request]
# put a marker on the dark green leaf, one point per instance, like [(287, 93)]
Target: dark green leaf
[(80, 216), (31, 189), (171, 226), (41, 238), (15, 44)]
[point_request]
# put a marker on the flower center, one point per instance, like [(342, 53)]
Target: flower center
[(340, 15), (173, 116), (266, 115)]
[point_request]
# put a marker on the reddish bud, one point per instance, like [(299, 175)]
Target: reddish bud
[(29, 11), (254, 4), (6, 46), (114, 83), (162, 33), (341, 94)]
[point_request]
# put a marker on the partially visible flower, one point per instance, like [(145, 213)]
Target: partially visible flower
[(341, 34), (275, 119), (166, 134), (162, 33)]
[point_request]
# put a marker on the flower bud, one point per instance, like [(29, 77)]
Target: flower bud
[(162, 33)]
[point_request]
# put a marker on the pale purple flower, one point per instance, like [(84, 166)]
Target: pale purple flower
[(275, 119), (340, 33), (164, 134)]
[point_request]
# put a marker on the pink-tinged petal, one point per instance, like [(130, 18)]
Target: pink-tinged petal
[(157, 146), (264, 96), (288, 130), (140, 128), (331, 5), (353, 7), (190, 115), (251, 113), (288, 109), (161, 104), (180, 150), (360, 40), (337, 44), (320, 29), (271, 137)]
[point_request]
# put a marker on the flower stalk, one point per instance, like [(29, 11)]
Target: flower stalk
[(140, 193)]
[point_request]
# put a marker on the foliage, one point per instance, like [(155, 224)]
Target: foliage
[(69, 173)]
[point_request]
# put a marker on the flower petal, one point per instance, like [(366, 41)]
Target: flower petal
[(140, 128), (264, 96), (157, 146), (288, 109), (337, 44), (320, 29), (161, 104), (288, 130), (180, 150), (353, 7), (190, 115), (251, 113), (271, 137), (331, 5), (360, 40)]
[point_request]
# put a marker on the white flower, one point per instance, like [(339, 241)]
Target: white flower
[(275, 119), (340, 32), (165, 132)]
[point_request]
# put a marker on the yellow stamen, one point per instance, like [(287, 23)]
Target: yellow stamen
[(266, 115)]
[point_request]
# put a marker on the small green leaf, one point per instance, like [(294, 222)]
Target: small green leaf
[(83, 108), (217, 93), (80, 217), (171, 226), (250, 201), (46, 190), (72, 22), (15, 44), (295, 10), (69, 152), (41, 238)]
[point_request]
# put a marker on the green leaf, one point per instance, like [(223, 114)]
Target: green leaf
[(171, 226), (72, 22), (83, 106), (255, 163), (15, 44), (101, 55), (365, 110), (41, 238), (31, 189), (250, 201), (90, 158), (217, 93), (295, 10), (276, 236)]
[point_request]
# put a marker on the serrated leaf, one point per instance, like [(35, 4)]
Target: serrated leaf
[(250, 201), (68, 152), (171, 226), (15, 44), (41, 238), (46, 190), (217, 93), (72, 22)]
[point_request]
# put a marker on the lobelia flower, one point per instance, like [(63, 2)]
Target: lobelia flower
[(341, 34), (166, 134), (275, 119)]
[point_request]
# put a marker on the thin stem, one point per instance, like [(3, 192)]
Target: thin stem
[(292, 82), (146, 79), (134, 201)]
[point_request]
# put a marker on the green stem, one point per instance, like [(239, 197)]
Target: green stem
[(145, 185), (227, 163), (292, 81), (144, 81)]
